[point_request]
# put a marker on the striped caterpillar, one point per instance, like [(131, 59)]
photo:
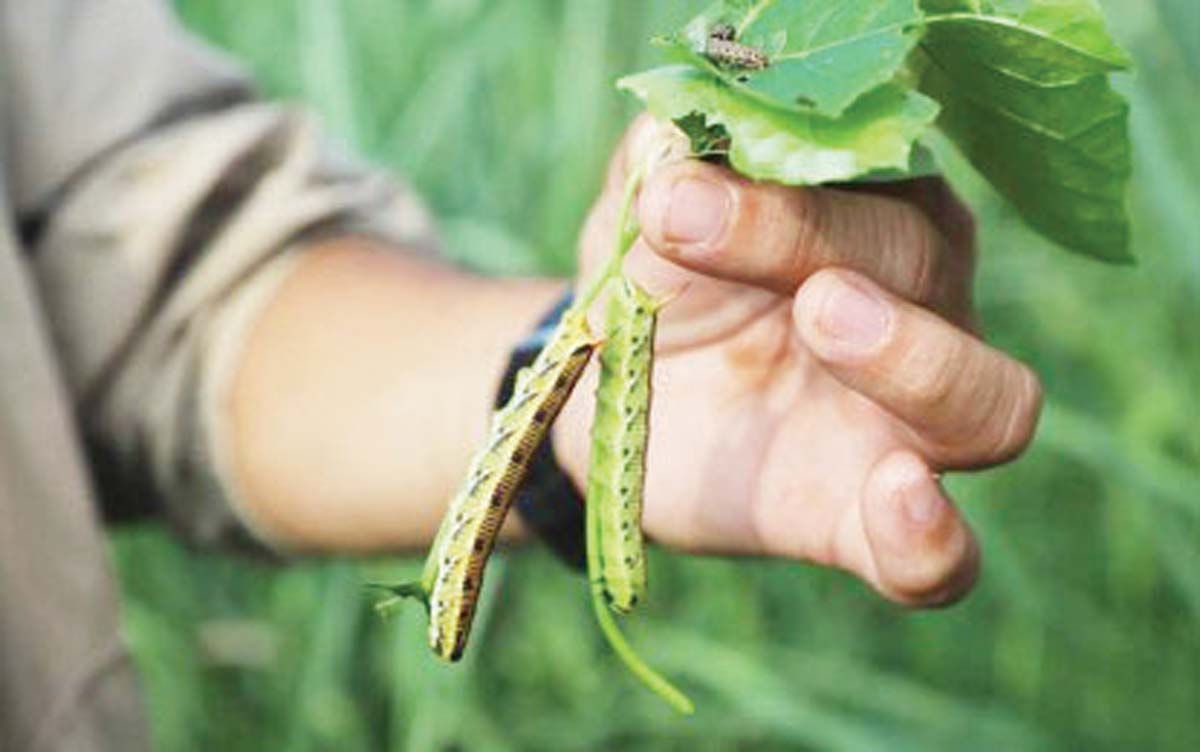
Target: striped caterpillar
[(618, 461), (453, 575), (722, 48)]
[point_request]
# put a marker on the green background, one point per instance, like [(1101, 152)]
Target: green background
[(1084, 632)]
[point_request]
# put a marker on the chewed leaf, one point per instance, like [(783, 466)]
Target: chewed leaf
[(707, 141), (835, 51), (821, 55), (765, 143)]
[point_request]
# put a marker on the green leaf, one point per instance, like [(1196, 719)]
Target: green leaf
[(876, 133), (1023, 87), (1048, 42), (824, 54), (949, 6), (1078, 24), (1027, 100), (833, 51)]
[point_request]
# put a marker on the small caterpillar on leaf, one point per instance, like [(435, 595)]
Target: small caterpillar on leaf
[(616, 475), (722, 48), (453, 575)]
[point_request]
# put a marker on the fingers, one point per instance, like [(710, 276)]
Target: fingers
[(966, 403), (704, 217), (936, 200), (918, 549)]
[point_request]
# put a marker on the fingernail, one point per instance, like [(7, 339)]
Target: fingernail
[(922, 502), (853, 317), (697, 211)]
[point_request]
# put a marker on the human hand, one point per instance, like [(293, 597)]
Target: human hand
[(817, 372)]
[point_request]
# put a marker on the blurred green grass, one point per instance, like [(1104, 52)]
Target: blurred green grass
[(1083, 634)]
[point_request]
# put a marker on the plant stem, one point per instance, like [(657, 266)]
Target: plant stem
[(627, 233), (648, 676)]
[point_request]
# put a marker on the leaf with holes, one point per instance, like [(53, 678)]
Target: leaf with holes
[(876, 134), (817, 91), (820, 55)]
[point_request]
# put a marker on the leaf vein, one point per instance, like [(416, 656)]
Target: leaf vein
[(1068, 141)]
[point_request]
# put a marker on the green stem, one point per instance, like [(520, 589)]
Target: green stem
[(627, 233), (648, 676), (415, 590)]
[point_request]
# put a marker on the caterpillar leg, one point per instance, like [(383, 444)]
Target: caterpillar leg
[(400, 592)]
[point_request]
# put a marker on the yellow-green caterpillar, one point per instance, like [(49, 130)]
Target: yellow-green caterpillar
[(616, 475), (453, 575), (615, 549)]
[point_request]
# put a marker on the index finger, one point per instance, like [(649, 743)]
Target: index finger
[(712, 221)]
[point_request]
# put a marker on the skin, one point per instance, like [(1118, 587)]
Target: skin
[(818, 371)]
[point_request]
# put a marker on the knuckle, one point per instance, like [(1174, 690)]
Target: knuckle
[(917, 252), (804, 215), (1020, 411), (910, 257), (937, 377)]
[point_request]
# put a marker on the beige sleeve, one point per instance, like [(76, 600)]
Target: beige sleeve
[(153, 265)]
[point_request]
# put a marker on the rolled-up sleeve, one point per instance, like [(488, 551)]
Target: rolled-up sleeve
[(156, 247)]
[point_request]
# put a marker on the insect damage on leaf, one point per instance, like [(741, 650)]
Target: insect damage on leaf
[(708, 142), (767, 143), (819, 91)]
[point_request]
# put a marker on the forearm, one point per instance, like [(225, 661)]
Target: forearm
[(365, 385)]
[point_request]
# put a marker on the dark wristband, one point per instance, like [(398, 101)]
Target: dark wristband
[(548, 501)]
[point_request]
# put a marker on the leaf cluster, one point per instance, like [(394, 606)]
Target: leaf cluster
[(845, 90)]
